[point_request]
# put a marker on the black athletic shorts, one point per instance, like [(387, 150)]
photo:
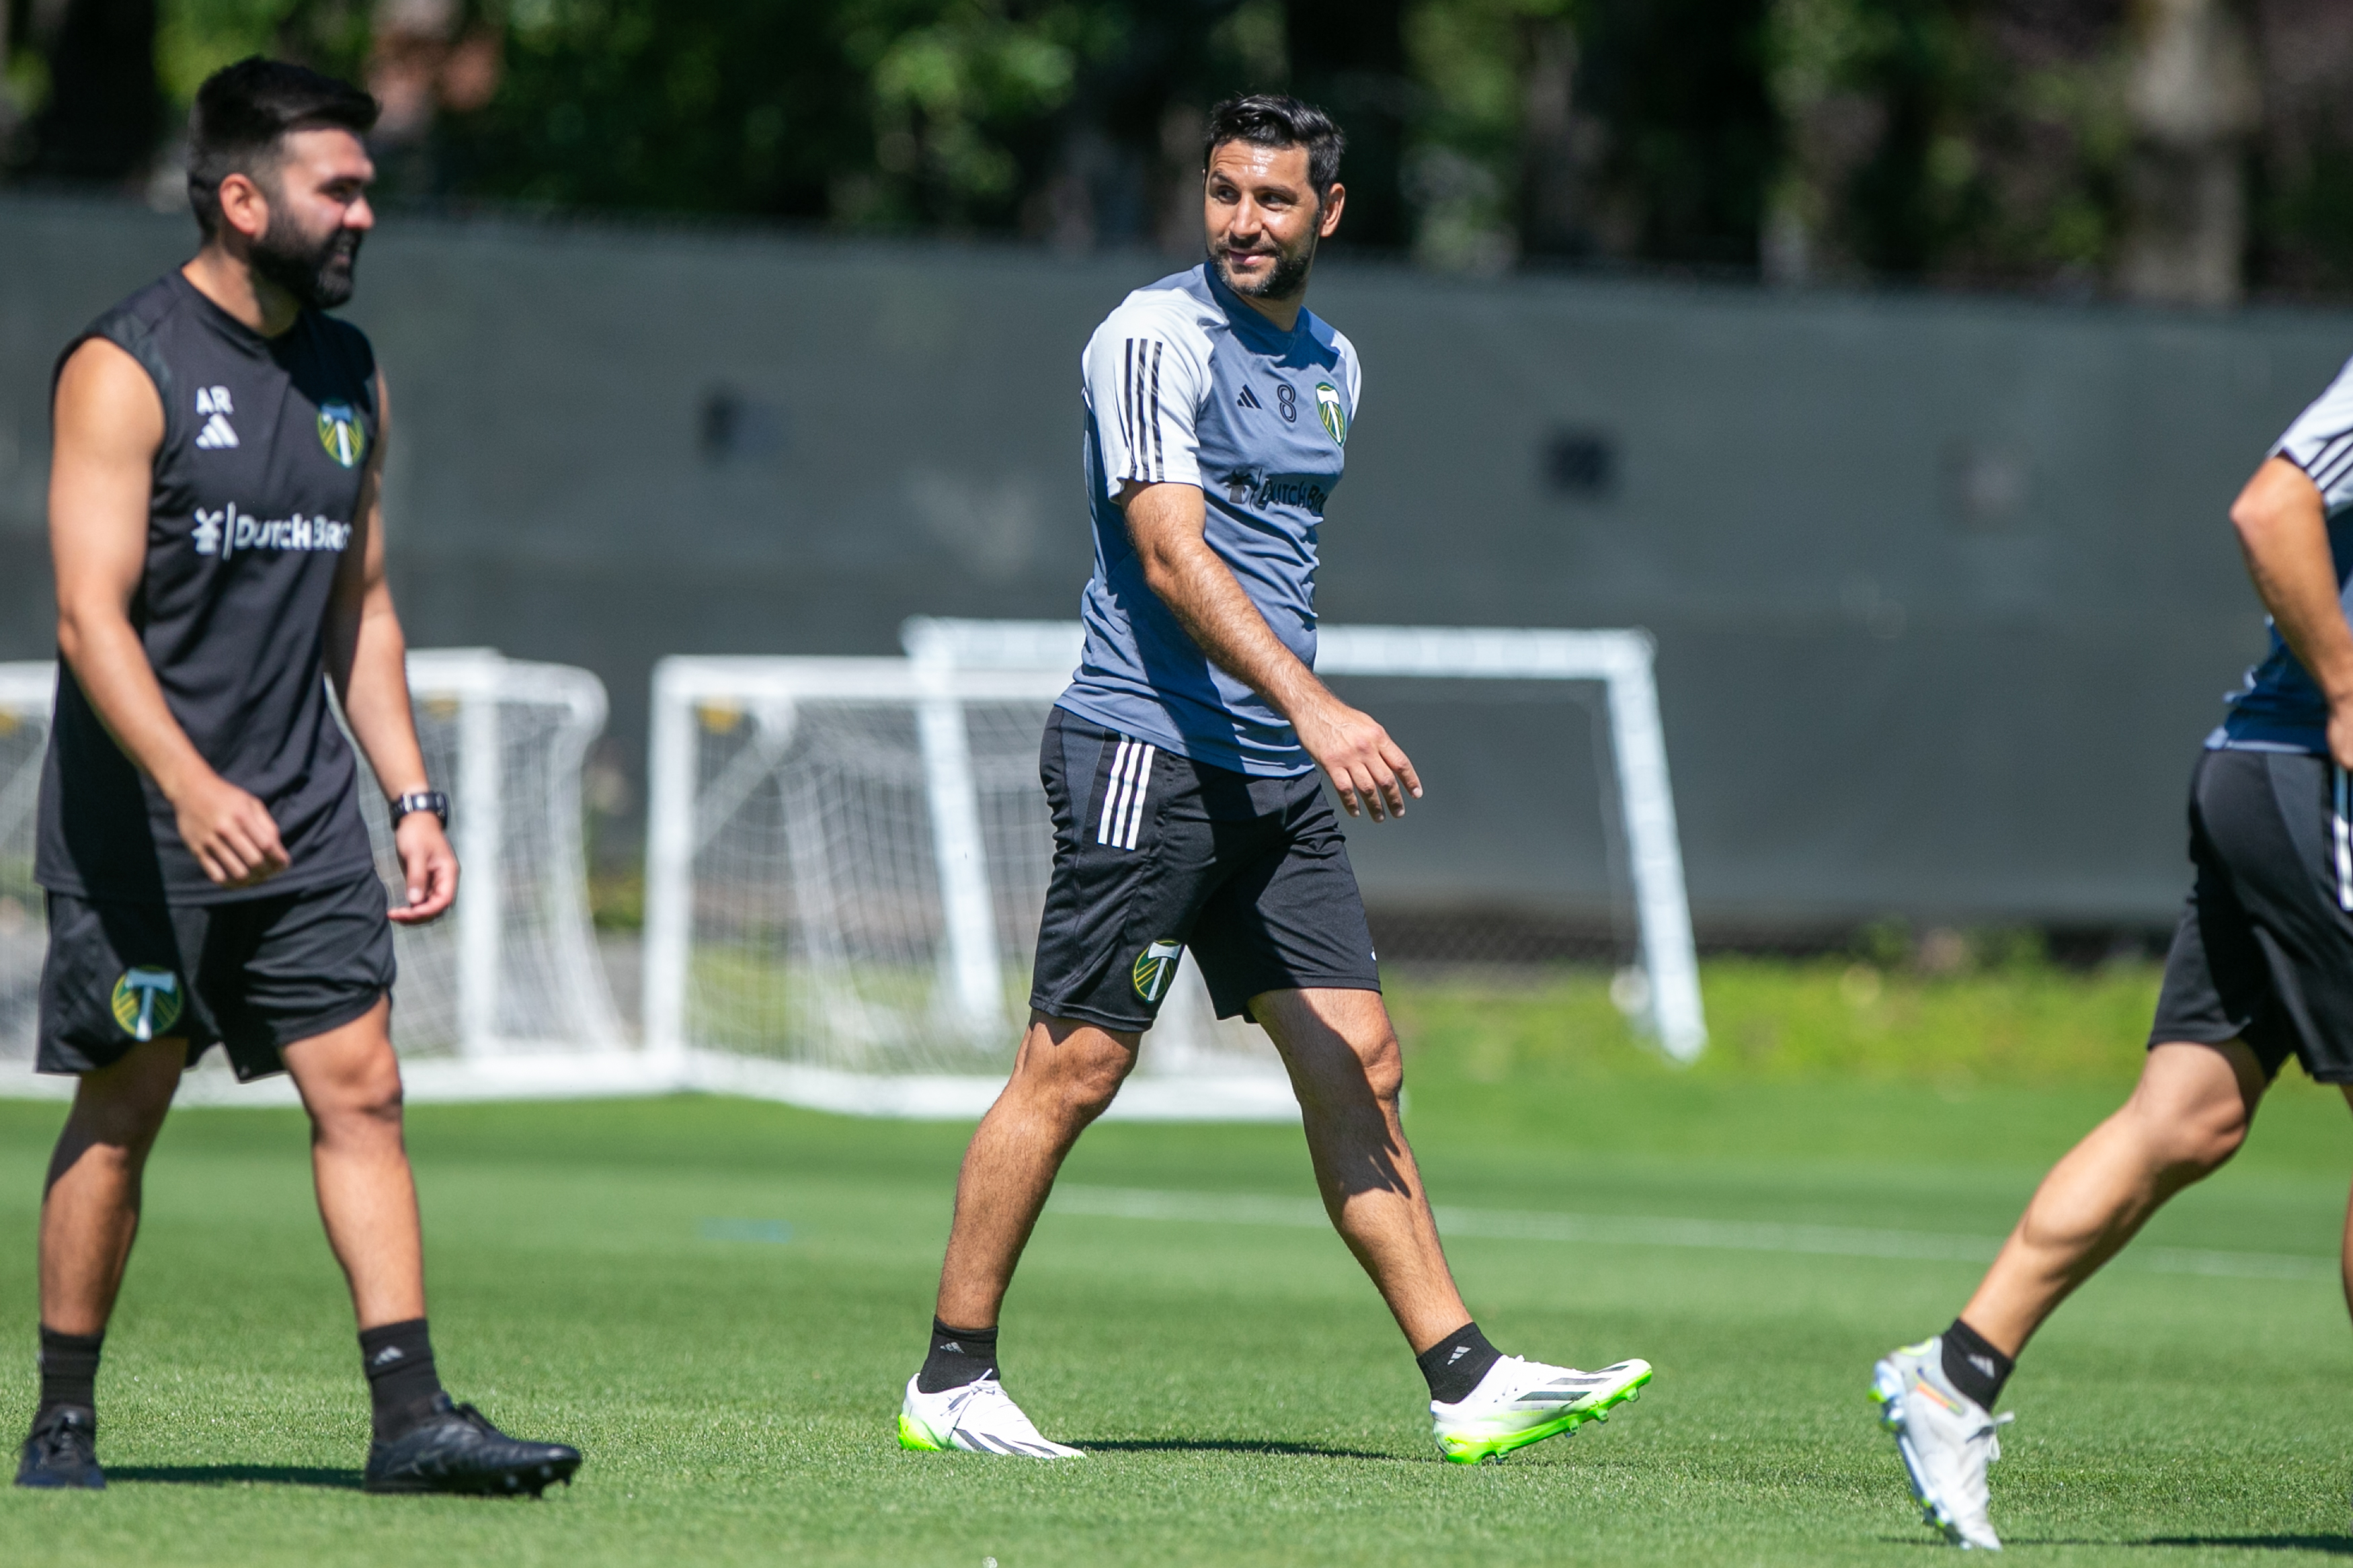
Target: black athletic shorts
[(1155, 853), (251, 975), (2264, 949)]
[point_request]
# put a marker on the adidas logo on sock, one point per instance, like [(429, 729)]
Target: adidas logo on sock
[(1459, 1351), (386, 1356), (952, 1345), (1983, 1364)]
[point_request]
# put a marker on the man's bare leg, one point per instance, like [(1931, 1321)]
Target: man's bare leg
[(1347, 1070), (1064, 1075), (2186, 1118), (350, 1083), (90, 1211)]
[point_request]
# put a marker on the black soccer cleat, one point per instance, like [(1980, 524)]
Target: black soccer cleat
[(456, 1449), (63, 1451)]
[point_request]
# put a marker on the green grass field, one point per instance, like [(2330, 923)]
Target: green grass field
[(719, 1302)]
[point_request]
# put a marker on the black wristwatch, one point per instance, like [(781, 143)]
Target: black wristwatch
[(431, 800)]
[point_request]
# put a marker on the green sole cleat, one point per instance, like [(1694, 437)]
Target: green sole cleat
[(1483, 1431)]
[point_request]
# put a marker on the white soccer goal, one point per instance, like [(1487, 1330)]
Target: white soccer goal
[(1664, 990), (506, 995), (845, 862), (846, 859)]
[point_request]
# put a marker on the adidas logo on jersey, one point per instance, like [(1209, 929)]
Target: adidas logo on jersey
[(212, 402), (1249, 399)]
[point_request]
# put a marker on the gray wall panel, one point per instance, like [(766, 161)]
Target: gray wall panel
[(1880, 695)]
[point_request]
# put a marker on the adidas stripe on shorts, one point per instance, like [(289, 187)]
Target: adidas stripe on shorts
[(1156, 857)]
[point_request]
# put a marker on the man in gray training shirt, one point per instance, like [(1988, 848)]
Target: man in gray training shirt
[(1181, 771)]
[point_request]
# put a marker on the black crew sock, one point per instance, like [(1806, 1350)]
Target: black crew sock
[(1974, 1367), (69, 1370), (402, 1383), (1455, 1364), (958, 1356)]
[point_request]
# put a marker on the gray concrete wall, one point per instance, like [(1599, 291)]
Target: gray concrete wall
[(1942, 589)]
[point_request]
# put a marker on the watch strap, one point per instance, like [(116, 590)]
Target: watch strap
[(431, 800)]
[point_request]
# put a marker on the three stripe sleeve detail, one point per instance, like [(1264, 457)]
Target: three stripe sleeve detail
[(1124, 792), (1139, 412)]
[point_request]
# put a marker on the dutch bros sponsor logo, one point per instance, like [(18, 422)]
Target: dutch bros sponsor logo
[(229, 530), (1248, 487)]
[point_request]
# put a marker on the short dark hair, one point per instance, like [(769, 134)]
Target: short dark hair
[(1272, 120), (243, 113)]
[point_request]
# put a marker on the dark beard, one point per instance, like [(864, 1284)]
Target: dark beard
[(317, 272), (1288, 277)]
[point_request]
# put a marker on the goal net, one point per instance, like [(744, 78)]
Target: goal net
[(1660, 987), (506, 994), (847, 859)]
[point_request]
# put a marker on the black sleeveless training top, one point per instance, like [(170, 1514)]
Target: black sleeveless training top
[(264, 443)]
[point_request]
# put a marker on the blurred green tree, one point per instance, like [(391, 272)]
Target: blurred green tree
[(1979, 142)]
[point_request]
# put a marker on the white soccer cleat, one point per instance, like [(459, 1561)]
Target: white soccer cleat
[(1524, 1402), (1945, 1440), (980, 1418)]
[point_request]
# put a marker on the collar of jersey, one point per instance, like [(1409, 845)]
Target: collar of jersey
[(1246, 319), (228, 326)]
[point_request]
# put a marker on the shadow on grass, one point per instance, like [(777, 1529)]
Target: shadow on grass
[(232, 1475), (2327, 1545), (1229, 1446), (2330, 1545)]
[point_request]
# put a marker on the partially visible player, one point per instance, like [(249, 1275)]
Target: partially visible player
[(1181, 770), (2261, 970), (215, 521)]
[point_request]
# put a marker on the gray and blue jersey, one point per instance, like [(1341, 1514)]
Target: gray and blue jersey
[(1187, 384), (2279, 709)]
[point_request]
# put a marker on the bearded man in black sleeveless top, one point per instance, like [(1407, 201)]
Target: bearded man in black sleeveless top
[(215, 519)]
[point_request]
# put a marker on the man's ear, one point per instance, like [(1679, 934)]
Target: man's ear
[(1329, 219), (244, 206)]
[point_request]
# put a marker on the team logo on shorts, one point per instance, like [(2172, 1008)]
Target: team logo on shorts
[(146, 1001), (1327, 408), (345, 439), (1155, 966)]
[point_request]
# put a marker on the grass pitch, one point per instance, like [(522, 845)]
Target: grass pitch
[(719, 1302)]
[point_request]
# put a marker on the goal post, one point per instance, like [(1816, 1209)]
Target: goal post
[(505, 997), (1619, 660)]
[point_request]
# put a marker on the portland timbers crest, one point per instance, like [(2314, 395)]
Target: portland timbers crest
[(1155, 966), (1327, 408), (146, 1002), (345, 439)]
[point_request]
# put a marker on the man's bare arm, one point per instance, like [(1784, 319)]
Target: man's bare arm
[(110, 425), (2283, 527), (367, 659), (1166, 522)]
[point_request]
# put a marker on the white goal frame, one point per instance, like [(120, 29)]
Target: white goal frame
[(583, 1050), (1669, 1005)]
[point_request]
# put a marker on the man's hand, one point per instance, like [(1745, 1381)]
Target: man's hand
[(430, 866), (2340, 734), (230, 832), (1363, 763)]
